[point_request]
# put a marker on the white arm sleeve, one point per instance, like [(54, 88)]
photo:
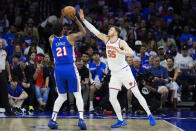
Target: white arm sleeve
[(91, 27)]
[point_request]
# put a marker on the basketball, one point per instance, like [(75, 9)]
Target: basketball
[(69, 11)]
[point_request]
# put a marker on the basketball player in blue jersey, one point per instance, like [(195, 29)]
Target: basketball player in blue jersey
[(66, 72)]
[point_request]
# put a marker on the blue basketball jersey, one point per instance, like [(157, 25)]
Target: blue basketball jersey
[(63, 51)]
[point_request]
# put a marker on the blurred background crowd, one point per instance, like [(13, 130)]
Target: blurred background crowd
[(162, 34)]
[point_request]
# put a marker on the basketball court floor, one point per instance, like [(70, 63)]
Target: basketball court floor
[(173, 121)]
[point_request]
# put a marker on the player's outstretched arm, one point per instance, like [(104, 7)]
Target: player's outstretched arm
[(77, 36), (92, 29), (125, 49)]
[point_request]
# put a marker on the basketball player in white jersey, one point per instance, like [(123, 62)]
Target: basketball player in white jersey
[(121, 74)]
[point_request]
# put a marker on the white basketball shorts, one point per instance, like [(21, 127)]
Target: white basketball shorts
[(123, 77)]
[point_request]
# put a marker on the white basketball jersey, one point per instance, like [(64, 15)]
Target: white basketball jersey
[(116, 61)]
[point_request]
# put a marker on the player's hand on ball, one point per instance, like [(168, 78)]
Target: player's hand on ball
[(81, 13), (73, 17), (62, 14)]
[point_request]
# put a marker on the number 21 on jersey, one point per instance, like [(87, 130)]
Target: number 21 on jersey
[(61, 51)]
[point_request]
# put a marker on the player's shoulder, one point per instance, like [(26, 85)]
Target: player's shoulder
[(122, 43), (121, 40), (51, 37)]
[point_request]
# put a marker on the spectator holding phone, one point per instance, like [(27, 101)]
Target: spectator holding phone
[(41, 77)]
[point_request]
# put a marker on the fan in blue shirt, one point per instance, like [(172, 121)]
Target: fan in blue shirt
[(160, 78), (29, 37), (97, 70), (16, 94), (10, 35), (137, 67)]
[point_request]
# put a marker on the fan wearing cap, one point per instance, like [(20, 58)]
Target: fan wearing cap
[(184, 61), (187, 72), (161, 53), (24, 73), (138, 45), (185, 64), (41, 77), (169, 17)]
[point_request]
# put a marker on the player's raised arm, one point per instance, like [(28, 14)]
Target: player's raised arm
[(92, 29), (62, 17), (125, 49), (77, 36)]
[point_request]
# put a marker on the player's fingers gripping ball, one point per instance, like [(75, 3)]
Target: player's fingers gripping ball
[(69, 12)]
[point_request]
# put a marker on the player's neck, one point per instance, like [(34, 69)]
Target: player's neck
[(59, 36), (113, 39)]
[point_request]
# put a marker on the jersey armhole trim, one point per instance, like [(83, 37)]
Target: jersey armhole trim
[(107, 41), (119, 43)]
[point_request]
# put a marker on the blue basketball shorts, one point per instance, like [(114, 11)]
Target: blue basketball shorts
[(67, 78)]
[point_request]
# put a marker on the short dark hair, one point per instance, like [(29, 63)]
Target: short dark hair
[(117, 30), (170, 58), (57, 29), (85, 53), (40, 54), (96, 53)]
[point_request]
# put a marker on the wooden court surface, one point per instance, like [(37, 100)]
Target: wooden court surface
[(40, 124)]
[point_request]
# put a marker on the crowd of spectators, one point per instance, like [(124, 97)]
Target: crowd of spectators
[(162, 34)]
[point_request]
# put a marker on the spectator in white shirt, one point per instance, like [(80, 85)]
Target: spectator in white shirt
[(184, 61), (34, 45)]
